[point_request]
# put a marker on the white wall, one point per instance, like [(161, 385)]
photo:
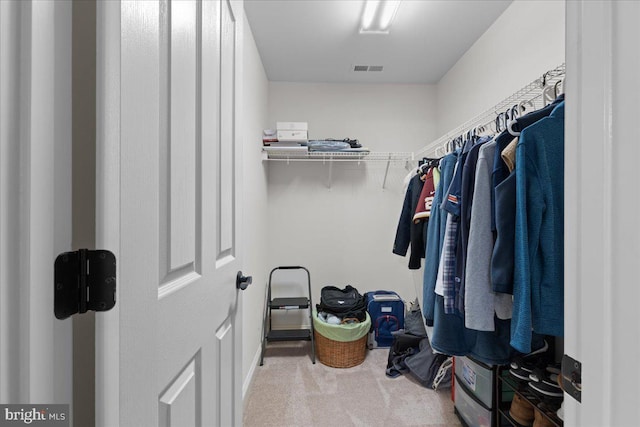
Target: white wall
[(523, 43), (255, 200), (344, 234), (382, 117)]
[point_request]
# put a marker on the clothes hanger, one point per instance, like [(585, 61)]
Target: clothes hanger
[(503, 122), (497, 123), (515, 110), (558, 88), (494, 130), (523, 107), (479, 130), (548, 94)]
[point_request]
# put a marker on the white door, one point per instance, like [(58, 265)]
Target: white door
[(168, 206), (602, 198), (35, 199)]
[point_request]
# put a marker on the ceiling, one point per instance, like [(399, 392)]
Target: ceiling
[(319, 40)]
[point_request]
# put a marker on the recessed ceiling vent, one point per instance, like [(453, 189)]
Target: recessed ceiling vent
[(367, 68)]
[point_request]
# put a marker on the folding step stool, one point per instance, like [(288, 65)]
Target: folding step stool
[(287, 303)]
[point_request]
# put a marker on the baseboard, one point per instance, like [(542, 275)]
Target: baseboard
[(249, 378)]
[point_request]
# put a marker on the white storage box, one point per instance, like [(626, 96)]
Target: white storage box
[(472, 412), (292, 126), (292, 135), (477, 378)]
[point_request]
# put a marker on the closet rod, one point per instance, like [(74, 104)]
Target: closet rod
[(531, 91)]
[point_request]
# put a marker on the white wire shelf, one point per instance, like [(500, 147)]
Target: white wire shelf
[(336, 156), (331, 157)]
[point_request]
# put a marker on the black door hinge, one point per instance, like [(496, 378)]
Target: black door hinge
[(84, 280), (572, 377)]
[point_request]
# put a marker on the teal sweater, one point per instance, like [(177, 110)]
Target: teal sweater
[(538, 292)]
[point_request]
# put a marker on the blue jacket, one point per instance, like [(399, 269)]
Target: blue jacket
[(504, 208), (435, 237), (538, 288), (500, 169)]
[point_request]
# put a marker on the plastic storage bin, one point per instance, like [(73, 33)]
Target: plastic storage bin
[(474, 413), (477, 378)]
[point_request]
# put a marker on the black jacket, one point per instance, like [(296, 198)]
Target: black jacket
[(410, 232)]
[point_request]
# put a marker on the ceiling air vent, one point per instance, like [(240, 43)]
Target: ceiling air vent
[(367, 68)]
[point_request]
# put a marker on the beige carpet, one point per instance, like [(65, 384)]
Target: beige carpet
[(288, 390)]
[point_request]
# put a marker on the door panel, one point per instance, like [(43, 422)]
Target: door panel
[(227, 128), (177, 162), (224, 344), (183, 142), (180, 178), (179, 404)]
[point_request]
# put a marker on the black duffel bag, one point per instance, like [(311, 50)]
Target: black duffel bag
[(343, 303)]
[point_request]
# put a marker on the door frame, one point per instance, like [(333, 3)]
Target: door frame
[(35, 199), (107, 380), (602, 235)]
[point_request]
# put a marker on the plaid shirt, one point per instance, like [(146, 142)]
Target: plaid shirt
[(449, 266)]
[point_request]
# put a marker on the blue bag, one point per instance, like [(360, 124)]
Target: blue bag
[(386, 310)]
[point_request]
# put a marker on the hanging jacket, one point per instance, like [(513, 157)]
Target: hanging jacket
[(481, 302), (450, 256), (435, 238), (421, 216), (538, 288), (466, 203), (500, 169), (425, 200), (503, 250), (408, 233), (504, 209)]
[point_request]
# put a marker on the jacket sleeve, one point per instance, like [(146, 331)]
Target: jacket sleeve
[(505, 216), (479, 300), (529, 209), (403, 232)]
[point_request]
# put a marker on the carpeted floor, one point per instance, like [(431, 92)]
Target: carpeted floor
[(288, 390)]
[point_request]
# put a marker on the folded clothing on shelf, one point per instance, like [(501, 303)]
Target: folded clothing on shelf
[(331, 144)]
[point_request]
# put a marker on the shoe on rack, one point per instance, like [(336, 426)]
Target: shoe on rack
[(526, 361), (545, 383), (541, 421), (522, 365), (521, 369), (521, 411), (520, 374)]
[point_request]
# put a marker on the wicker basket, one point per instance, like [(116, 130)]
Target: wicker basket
[(340, 354)]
